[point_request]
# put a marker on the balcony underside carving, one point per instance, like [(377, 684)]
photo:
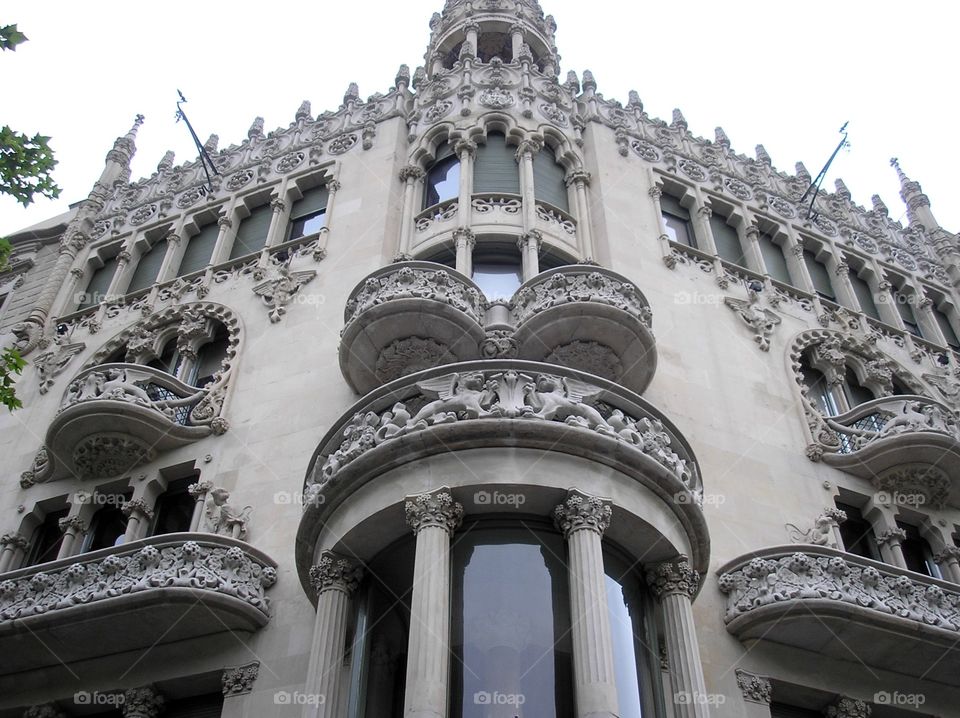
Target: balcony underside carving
[(159, 590), (840, 605)]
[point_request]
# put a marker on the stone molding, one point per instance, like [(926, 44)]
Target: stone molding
[(581, 511), (334, 572)]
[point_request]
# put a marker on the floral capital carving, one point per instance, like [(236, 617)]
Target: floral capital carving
[(200, 490), (674, 577), (239, 680), (436, 508), (892, 536), (756, 689), (410, 173), (144, 702), (848, 708), (582, 511), (334, 572)]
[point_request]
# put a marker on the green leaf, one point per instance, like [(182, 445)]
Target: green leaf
[(10, 37)]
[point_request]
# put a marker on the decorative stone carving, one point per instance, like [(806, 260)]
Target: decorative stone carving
[(47, 710), (893, 416), (927, 484), (224, 519), (278, 293), (894, 536), (38, 470), (676, 576), (108, 455), (499, 394), (582, 511), (139, 507), (496, 98), (133, 384), (144, 702), (193, 564), (52, 363), (822, 533), (434, 509), (948, 384), (498, 344), (343, 143), (580, 286), (849, 708), (416, 283), (406, 356), (335, 572), (591, 357), (290, 162), (239, 680), (760, 320), (756, 689)]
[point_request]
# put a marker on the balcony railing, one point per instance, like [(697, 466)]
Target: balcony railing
[(158, 590), (844, 606)]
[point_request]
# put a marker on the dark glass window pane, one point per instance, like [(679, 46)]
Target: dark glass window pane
[(148, 267), (678, 229), (946, 329), (917, 552), (864, 295), (727, 240), (308, 224), (99, 284), (548, 180), (174, 508), (210, 358), (107, 528), (443, 182), (199, 250), (904, 303), (511, 625), (46, 540), (856, 393), (857, 533), (773, 258), (782, 710), (819, 276), (252, 233)]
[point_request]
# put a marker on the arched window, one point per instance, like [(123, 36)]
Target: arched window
[(548, 180), (210, 357), (818, 389), (443, 177), (169, 359), (199, 249), (495, 168)]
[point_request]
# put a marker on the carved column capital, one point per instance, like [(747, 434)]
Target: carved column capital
[(76, 272), (580, 178), (894, 536), (224, 223), (334, 572), (674, 577), (464, 235), (144, 702), (705, 212), (756, 689), (333, 186), (436, 508), (528, 148), (465, 146), (752, 232), (949, 552), (848, 708), (200, 490), (239, 680), (14, 539), (533, 237), (124, 256), (138, 507), (174, 238), (582, 511), (74, 523), (278, 205), (411, 174), (656, 192)]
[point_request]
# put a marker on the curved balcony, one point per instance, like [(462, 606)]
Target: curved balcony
[(114, 417), (407, 317), (492, 404), (587, 318), (881, 436), (841, 605), (149, 592)]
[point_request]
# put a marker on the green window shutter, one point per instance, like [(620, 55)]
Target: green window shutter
[(864, 295), (148, 267), (773, 258), (727, 240), (495, 169), (313, 200), (252, 233), (818, 275), (548, 184), (199, 250), (946, 329), (99, 284)]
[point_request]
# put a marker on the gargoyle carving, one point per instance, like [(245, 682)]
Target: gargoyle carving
[(224, 519), (762, 321), (277, 293)]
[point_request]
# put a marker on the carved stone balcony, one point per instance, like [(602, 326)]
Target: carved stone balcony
[(840, 605), (406, 317), (886, 439), (150, 592), (114, 417), (587, 318)]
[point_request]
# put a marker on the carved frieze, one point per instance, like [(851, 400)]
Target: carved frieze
[(415, 283), (580, 286)]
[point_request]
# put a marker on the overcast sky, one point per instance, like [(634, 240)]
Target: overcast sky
[(785, 75)]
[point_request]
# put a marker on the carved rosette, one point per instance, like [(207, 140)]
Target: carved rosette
[(674, 577), (239, 680), (756, 689), (433, 509), (334, 572), (581, 511)]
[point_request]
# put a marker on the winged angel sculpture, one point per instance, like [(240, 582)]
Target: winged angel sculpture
[(761, 320)]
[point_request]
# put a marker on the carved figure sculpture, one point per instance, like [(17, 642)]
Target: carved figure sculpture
[(225, 519)]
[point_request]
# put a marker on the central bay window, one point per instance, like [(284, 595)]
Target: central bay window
[(443, 178), (495, 167), (497, 269)]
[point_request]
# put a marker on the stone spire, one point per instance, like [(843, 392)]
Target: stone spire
[(918, 204), (117, 165)]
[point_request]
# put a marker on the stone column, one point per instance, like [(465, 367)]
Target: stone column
[(675, 583), (525, 152), (516, 39), (235, 683), (889, 542), (948, 560), (199, 493), (848, 708), (144, 702), (465, 240), (11, 544), (466, 150), (529, 246), (582, 519), (138, 515), (579, 180), (334, 578), (409, 175), (471, 29), (433, 517), (72, 527), (278, 223), (757, 693)]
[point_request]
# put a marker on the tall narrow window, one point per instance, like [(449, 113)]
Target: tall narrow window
[(174, 510), (99, 284), (818, 390), (943, 321), (548, 180), (210, 357), (46, 539), (864, 295), (856, 393), (199, 249), (819, 276), (904, 303), (497, 271), (676, 221), (443, 178), (727, 240), (309, 213), (917, 552), (169, 359), (252, 233), (857, 533), (148, 268), (108, 526), (773, 258), (495, 169)]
